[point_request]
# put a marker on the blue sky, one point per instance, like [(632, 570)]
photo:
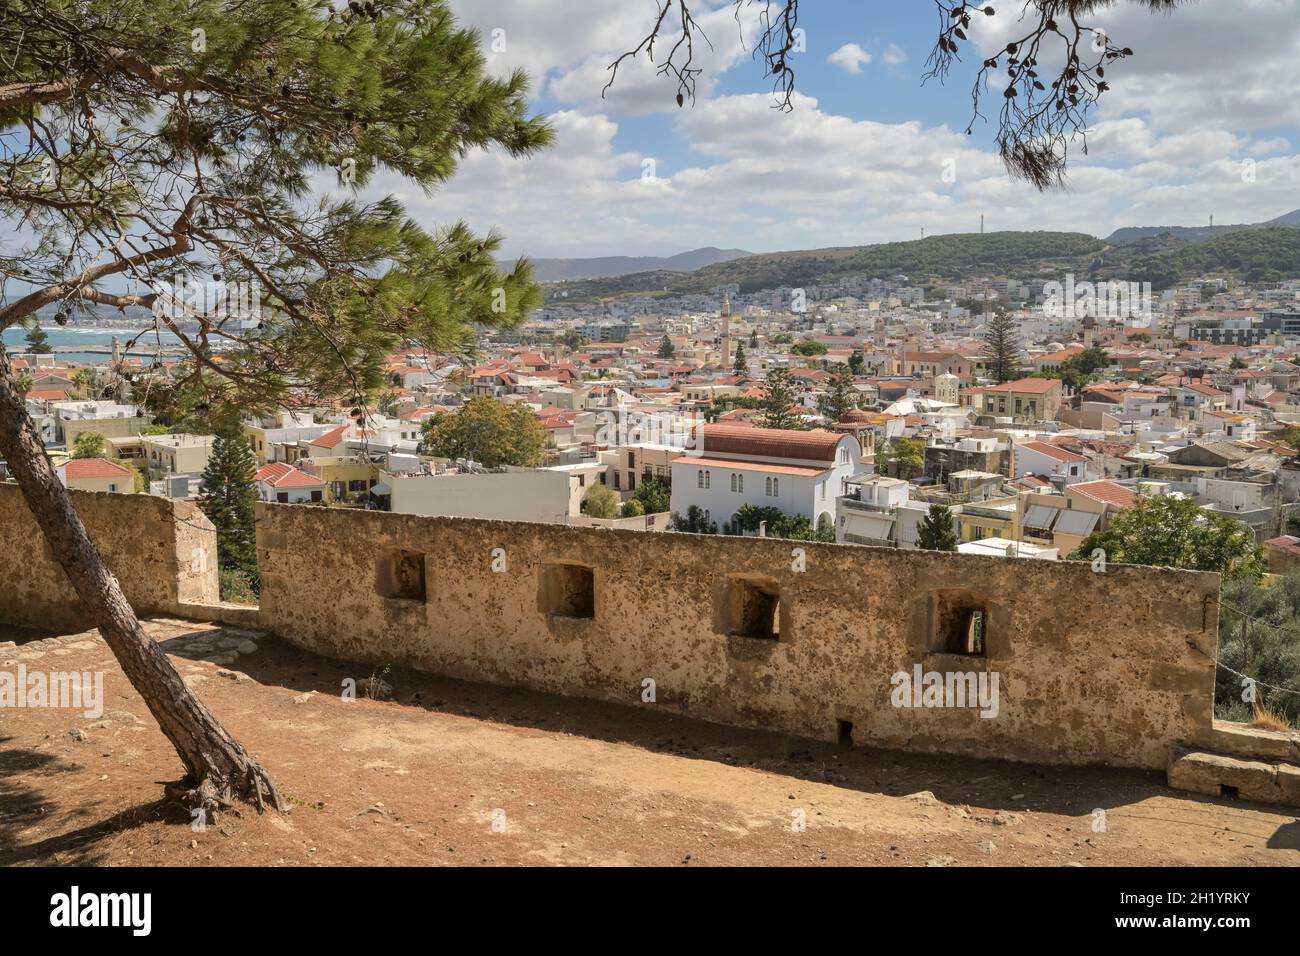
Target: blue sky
[(1208, 96)]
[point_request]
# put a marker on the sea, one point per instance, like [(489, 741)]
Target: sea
[(75, 339)]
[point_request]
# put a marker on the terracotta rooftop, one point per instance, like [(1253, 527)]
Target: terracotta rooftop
[(1028, 386), (770, 442), (95, 468), (279, 475), (1109, 492)]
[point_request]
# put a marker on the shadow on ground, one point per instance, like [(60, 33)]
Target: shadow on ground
[(991, 784)]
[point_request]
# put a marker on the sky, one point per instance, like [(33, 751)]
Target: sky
[(1203, 120)]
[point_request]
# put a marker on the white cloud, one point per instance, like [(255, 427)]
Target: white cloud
[(1165, 149), (850, 58)]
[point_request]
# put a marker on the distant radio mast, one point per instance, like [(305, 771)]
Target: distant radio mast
[(981, 224)]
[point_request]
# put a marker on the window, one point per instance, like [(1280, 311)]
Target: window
[(708, 478), (772, 487), (400, 575), (112, 487), (315, 496), (844, 456), (824, 490), (961, 624), (699, 479), (631, 459), (631, 481), (568, 590), (752, 608), (737, 483)]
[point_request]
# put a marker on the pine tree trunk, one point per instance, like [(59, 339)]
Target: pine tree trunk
[(218, 769)]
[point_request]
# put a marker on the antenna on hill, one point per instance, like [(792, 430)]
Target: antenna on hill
[(981, 224), (1211, 220)]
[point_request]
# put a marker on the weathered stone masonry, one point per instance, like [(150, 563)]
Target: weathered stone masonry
[(163, 553), (1093, 667)]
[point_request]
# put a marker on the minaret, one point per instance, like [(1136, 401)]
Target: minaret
[(726, 329)]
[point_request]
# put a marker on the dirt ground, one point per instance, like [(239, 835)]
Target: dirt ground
[(465, 774)]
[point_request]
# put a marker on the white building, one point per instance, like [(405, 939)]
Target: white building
[(287, 485), (798, 472), (1048, 461)]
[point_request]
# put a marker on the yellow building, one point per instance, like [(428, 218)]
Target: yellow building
[(346, 479), (177, 454), (1027, 400)]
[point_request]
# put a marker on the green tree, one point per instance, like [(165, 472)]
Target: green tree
[(89, 445), (753, 339), (781, 402), (935, 532), (749, 517), (654, 494), (209, 158), (1259, 636), (906, 457), (601, 502), (228, 496), (857, 364), (1002, 347), (694, 522), (666, 348), (574, 340), (809, 348), (486, 431), (1172, 532), (38, 343), (742, 365), (24, 382), (632, 508), (840, 397)]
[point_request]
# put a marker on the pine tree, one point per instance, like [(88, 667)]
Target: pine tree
[(841, 397), (229, 499), (666, 348), (780, 404), (1002, 347), (38, 343), (742, 365), (935, 532), (213, 156)]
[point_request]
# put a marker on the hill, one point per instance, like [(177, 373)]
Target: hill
[(1257, 255), (952, 256), (1197, 233), (564, 270)]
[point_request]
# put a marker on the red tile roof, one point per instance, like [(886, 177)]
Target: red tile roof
[(331, 438), (279, 475), (94, 468), (1109, 492), (1051, 451), (1028, 386), (770, 442)]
